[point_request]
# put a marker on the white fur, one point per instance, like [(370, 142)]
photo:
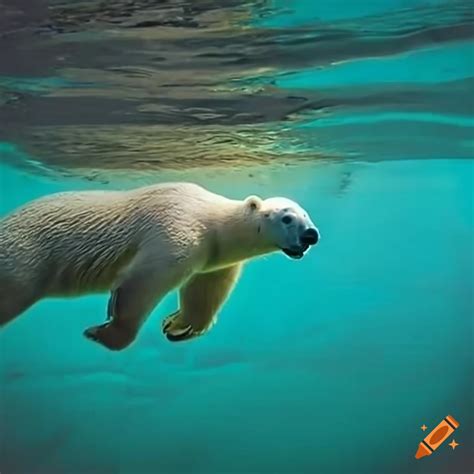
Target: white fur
[(139, 245)]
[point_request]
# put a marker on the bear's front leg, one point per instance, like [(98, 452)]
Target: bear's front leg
[(200, 300)]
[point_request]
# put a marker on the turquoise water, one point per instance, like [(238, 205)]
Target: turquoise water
[(360, 112)]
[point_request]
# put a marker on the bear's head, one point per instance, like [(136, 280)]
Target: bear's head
[(284, 224)]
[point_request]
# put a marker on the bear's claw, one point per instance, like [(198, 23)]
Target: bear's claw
[(166, 323), (177, 333), (91, 333), (111, 335), (180, 334)]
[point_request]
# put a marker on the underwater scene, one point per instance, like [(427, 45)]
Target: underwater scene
[(356, 358)]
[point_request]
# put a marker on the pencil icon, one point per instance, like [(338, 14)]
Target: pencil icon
[(437, 437)]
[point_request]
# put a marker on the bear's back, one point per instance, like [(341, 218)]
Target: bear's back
[(84, 238)]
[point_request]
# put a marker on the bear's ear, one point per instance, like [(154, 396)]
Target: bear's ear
[(253, 203)]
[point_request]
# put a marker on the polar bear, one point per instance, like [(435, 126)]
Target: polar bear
[(139, 245)]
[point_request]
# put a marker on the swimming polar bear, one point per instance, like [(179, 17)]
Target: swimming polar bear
[(140, 245)]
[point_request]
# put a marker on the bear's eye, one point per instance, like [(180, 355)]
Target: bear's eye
[(287, 220)]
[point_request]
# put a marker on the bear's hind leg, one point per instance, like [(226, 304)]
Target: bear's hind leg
[(130, 304), (115, 334), (15, 298)]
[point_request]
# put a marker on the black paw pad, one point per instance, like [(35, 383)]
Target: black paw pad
[(181, 336)]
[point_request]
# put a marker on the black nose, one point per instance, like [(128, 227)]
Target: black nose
[(310, 236)]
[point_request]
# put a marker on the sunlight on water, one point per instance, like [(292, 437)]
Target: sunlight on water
[(189, 84), (361, 112)]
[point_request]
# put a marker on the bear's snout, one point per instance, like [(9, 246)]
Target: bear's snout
[(310, 236)]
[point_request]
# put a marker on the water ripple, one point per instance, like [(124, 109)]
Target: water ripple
[(146, 86)]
